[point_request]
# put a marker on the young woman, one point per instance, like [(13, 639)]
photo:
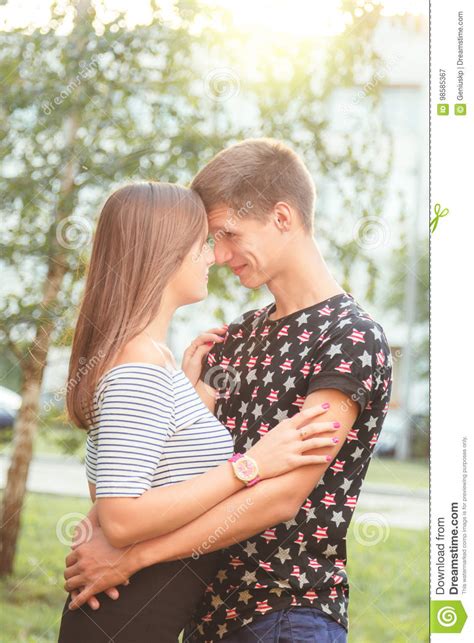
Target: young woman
[(157, 458)]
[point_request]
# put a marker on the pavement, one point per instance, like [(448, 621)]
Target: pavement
[(379, 505)]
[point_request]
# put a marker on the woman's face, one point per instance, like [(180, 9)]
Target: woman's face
[(189, 283)]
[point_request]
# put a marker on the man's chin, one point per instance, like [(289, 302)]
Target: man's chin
[(251, 281)]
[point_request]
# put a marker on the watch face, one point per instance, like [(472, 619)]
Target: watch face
[(246, 469)]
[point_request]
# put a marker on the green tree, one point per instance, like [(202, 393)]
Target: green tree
[(88, 103), (80, 113)]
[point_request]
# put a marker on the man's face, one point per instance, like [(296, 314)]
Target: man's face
[(249, 246)]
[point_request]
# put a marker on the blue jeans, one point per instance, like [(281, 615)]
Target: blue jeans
[(291, 625)]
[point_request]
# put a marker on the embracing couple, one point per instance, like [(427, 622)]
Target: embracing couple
[(223, 490)]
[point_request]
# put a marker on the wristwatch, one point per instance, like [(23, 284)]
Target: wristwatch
[(245, 469)]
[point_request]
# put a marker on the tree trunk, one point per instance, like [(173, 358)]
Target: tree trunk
[(20, 462), (34, 363), (32, 370)]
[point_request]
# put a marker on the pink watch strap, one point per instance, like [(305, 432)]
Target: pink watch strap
[(254, 481), (234, 458)]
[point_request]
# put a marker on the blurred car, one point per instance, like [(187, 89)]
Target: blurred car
[(10, 402), (390, 434)]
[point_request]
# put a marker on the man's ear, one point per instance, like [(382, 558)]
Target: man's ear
[(283, 216)]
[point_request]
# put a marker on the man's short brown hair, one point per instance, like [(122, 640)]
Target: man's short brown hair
[(261, 172)]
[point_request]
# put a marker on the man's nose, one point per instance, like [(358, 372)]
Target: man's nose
[(222, 253)]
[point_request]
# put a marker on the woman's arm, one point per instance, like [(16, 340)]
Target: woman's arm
[(247, 514), (91, 490), (207, 395), (164, 509)]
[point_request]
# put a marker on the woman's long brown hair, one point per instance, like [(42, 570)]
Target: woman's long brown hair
[(144, 232)]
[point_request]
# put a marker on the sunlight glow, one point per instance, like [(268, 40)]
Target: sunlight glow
[(296, 18)]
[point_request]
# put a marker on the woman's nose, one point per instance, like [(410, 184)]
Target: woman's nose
[(210, 256)]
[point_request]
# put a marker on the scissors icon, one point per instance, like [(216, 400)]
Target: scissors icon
[(438, 214)]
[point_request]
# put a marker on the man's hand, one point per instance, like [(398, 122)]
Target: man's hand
[(95, 566)]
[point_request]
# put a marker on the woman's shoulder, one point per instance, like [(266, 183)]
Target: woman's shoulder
[(138, 366), (145, 349)]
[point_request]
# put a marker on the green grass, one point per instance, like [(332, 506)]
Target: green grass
[(389, 581), (33, 598), (413, 474), (389, 587)]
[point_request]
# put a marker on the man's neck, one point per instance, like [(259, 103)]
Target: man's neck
[(304, 281)]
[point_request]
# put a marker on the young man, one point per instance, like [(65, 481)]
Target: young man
[(283, 573)]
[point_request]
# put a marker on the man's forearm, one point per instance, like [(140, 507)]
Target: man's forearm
[(246, 513)]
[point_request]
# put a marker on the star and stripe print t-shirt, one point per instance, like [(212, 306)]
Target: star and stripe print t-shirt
[(262, 373), (150, 428)]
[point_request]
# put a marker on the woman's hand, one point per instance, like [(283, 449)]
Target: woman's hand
[(283, 448), (194, 355)]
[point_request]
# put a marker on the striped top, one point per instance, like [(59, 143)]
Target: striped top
[(150, 428)]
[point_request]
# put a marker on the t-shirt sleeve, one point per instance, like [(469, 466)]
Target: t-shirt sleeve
[(91, 459), (354, 359), (135, 419)]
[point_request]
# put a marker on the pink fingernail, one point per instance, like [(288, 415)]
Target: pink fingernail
[(326, 405), (328, 458), (335, 440), (336, 425)]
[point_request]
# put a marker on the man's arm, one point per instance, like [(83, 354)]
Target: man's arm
[(247, 513), (251, 510)]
